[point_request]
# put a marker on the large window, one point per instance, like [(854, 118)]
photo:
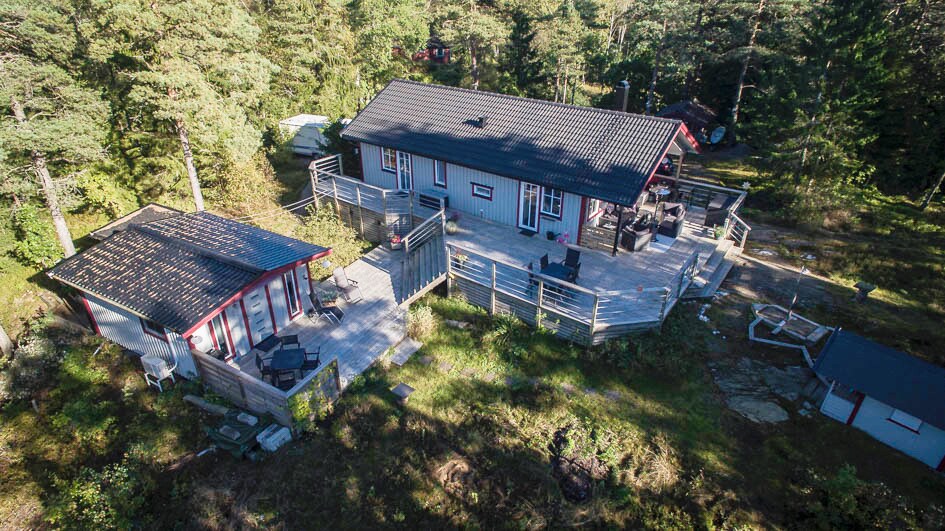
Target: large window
[(221, 334), (153, 329), (404, 171), (291, 292), (389, 159), (439, 173), (551, 200)]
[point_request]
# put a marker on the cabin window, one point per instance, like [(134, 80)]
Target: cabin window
[(153, 329), (905, 420), (551, 201), (291, 293), (439, 52), (220, 334), (389, 159), (481, 190), (439, 173)]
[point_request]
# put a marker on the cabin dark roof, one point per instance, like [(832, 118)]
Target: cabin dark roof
[(593, 152), (146, 214), (695, 115), (885, 374), (178, 270)]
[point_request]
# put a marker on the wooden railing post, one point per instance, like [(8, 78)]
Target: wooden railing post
[(449, 270), (341, 168), (492, 292), (541, 294), (334, 187), (357, 193), (594, 314), (666, 293)]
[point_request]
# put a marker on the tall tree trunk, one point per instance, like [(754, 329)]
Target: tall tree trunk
[(928, 198), (564, 94), (189, 162), (696, 65), (558, 80), (49, 188), (752, 40), (651, 94), (474, 65)]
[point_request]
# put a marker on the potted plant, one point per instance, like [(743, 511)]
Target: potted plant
[(452, 227), (328, 297), (460, 259), (396, 242), (551, 235), (718, 232)]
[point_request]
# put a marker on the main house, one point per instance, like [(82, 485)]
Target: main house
[(164, 282), (897, 398), (535, 165)]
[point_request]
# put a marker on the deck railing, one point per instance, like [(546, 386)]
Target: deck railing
[(581, 313), (737, 230)]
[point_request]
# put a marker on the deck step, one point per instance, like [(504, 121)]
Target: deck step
[(404, 350), (714, 272)]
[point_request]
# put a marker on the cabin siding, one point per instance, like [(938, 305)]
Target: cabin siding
[(237, 329), (124, 328), (502, 208), (928, 445)]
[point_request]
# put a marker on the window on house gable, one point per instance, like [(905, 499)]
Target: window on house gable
[(551, 201), (153, 329), (389, 159)]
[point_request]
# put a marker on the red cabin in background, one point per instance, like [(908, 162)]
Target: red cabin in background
[(435, 52)]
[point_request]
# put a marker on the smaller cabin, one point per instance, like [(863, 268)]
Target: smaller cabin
[(306, 133), (896, 398), (435, 52)]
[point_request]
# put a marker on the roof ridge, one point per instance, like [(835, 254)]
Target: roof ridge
[(202, 251), (534, 100)]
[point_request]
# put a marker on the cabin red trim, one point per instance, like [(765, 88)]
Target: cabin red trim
[(162, 337), (228, 333), (856, 409), (582, 218), (941, 465), (250, 287), (692, 140), (213, 336), (88, 309), (272, 313), (249, 332)]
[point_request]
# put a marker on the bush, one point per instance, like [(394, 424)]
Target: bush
[(420, 322), (33, 364), (323, 227), (507, 336), (105, 499), (36, 242)]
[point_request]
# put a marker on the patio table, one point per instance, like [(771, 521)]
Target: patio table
[(289, 359), (559, 271)]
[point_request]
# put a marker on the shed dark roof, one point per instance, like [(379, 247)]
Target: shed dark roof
[(695, 115), (885, 374), (594, 152), (176, 271), (146, 214)]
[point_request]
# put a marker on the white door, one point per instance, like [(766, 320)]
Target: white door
[(257, 310), (404, 171), (528, 206)]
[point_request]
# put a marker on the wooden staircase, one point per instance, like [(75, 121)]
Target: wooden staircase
[(424, 269), (713, 273)]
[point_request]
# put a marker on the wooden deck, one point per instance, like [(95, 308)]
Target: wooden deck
[(370, 326)]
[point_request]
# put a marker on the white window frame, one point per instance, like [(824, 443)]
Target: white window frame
[(553, 193), (221, 333), (404, 171), (440, 52), (482, 191), (439, 173), (392, 153), (292, 294), (905, 420)]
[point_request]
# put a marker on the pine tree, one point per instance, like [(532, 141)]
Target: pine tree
[(57, 122)]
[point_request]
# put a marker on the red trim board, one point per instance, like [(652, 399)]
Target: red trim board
[(162, 337), (583, 215), (856, 409), (692, 140), (250, 287), (88, 308), (941, 465)]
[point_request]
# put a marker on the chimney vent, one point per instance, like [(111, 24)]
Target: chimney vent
[(481, 121), (621, 96)]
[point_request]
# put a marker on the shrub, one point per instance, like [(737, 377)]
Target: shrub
[(452, 227), (36, 242), (323, 227), (507, 335), (104, 499), (420, 322), (33, 364)]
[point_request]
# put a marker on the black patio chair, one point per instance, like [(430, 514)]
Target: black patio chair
[(263, 365), (285, 380), (575, 272), (544, 262), (312, 360), (349, 288), (290, 341), (572, 259)]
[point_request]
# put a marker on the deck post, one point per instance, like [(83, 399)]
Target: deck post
[(334, 187), (594, 317), (617, 232), (541, 293), (449, 270), (410, 207), (313, 176), (341, 168), (666, 292), (492, 292), (384, 213), (357, 192)]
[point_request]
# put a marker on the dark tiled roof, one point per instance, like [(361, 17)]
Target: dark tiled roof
[(250, 245), (146, 214), (695, 115), (594, 152), (885, 374), (178, 270)]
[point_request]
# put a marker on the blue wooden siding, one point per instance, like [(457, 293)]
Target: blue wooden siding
[(502, 208)]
